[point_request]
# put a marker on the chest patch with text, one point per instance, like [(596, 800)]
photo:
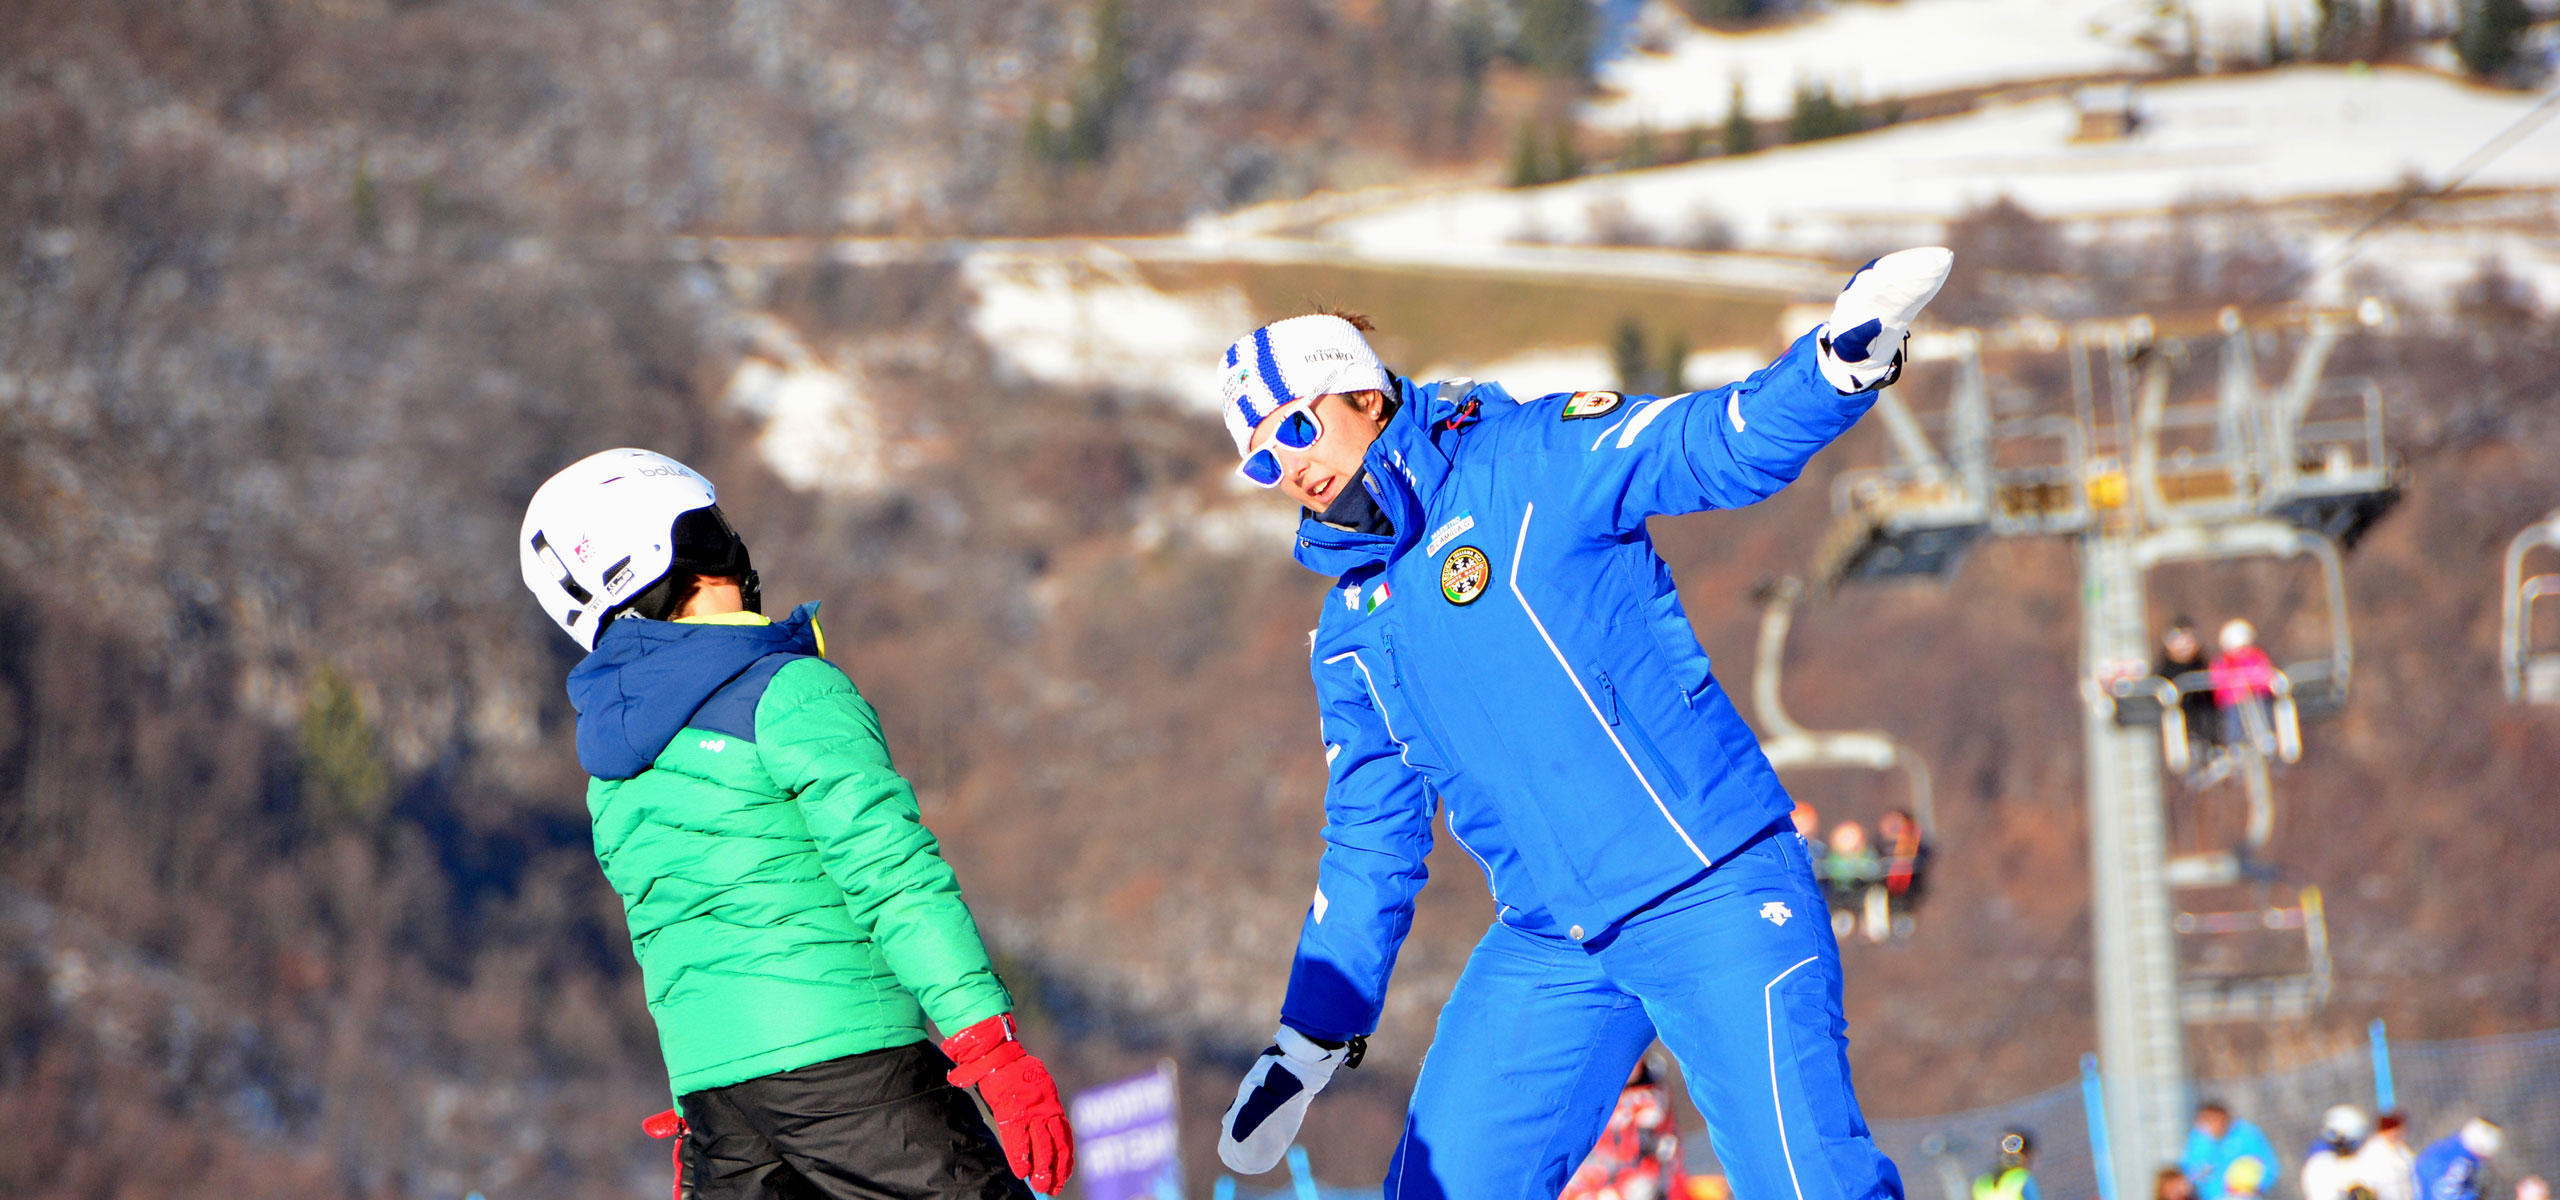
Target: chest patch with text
[(1464, 575)]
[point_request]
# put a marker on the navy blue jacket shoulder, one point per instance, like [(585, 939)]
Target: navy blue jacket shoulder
[(647, 680)]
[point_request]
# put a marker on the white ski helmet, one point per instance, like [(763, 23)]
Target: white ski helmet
[(2344, 1124), (2237, 633), (2482, 1137), (602, 531)]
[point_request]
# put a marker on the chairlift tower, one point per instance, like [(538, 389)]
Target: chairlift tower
[(2297, 468)]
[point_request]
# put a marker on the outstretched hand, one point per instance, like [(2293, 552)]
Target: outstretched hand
[(1862, 342)]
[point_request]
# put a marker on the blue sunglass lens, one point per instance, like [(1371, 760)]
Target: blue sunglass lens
[(1263, 468), (1297, 431)]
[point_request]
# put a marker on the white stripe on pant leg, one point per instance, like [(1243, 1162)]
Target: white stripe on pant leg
[(1769, 1014)]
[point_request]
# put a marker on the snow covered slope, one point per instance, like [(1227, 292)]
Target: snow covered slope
[(1873, 51), (2274, 136)]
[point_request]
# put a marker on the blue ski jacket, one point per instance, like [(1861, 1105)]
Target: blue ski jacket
[(2448, 1170), (1515, 650)]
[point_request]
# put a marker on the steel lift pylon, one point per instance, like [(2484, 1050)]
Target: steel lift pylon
[(2299, 467)]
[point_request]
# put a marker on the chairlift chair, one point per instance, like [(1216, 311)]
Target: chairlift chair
[(2215, 996), (2308, 451), (2532, 675), (2315, 686)]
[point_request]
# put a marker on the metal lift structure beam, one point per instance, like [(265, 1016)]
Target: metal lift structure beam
[(2282, 472)]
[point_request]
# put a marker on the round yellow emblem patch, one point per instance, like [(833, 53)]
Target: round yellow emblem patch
[(1464, 575)]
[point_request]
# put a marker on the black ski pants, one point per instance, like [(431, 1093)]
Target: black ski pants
[(884, 1125)]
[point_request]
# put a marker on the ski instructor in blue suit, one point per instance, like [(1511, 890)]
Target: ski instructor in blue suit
[(1502, 638)]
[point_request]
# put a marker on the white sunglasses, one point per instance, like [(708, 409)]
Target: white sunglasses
[(1297, 429)]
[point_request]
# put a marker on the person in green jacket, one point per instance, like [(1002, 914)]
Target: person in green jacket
[(794, 921)]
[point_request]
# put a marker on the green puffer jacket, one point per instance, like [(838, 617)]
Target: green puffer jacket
[(786, 902)]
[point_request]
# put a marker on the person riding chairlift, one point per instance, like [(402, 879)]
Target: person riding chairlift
[(1906, 865), (2183, 663), (2244, 688), (1852, 877)]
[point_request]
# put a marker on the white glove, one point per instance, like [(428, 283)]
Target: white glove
[(1862, 343), (1272, 1100)]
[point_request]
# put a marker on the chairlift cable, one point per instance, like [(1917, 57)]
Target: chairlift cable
[(2504, 140)]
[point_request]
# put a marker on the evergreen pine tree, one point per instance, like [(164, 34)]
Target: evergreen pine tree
[(1819, 114), (2490, 32), (1528, 161), (1739, 135), (1567, 161), (1627, 353), (343, 774)]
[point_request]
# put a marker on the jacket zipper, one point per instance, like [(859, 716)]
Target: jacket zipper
[(1642, 742)]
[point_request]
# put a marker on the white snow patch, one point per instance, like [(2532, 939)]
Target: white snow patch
[(2432, 267), (820, 433), (2279, 135), (1091, 321), (1870, 51), (1862, 51)]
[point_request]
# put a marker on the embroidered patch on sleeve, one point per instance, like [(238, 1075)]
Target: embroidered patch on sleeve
[(1592, 404)]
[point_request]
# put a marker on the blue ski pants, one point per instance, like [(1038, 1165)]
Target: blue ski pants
[(1736, 972)]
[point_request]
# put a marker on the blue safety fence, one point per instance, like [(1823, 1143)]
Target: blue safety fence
[(1939, 1156), (2513, 1080)]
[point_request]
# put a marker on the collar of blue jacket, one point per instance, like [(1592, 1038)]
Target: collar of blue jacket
[(646, 679), (1407, 463)]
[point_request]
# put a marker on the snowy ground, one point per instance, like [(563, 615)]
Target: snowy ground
[(820, 431), (1086, 319), (1682, 75), (2302, 133)]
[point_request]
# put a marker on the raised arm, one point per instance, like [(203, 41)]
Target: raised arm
[(1735, 445)]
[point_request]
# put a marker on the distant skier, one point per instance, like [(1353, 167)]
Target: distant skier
[(1502, 637), (794, 920), (2215, 1141), (2385, 1165), (2451, 1168), (2329, 1172), (1638, 1155), (2012, 1175), (2182, 662), (2244, 686)]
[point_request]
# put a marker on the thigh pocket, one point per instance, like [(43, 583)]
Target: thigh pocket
[(1809, 1052)]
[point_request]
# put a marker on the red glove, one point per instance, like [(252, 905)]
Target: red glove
[(670, 1124), (1018, 1090)]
